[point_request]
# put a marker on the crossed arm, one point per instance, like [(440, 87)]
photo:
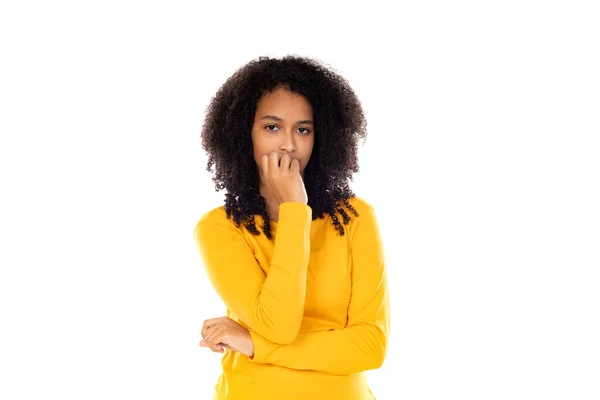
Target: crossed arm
[(272, 306), (362, 344)]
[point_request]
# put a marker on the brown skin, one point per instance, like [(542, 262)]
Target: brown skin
[(283, 126), (221, 333)]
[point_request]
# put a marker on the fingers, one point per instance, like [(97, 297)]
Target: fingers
[(219, 347), (213, 333), (209, 323), (295, 166), (214, 336), (208, 329), (285, 162), (274, 158), (264, 165)]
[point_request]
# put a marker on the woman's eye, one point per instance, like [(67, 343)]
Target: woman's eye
[(274, 128)]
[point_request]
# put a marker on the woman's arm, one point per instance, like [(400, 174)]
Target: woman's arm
[(271, 305), (362, 344)]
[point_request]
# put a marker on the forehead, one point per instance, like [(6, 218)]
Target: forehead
[(282, 103)]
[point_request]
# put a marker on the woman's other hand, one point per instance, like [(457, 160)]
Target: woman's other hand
[(223, 332)]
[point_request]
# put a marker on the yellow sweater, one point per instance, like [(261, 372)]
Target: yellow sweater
[(316, 303)]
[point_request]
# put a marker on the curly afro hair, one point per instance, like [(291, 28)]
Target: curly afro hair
[(339, 122)]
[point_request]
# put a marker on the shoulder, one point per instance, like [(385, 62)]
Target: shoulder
[(211, 219), (361, 205), (214, 214), (364, 209), (366, 215)]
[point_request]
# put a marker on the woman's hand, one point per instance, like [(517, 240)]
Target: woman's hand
[(221, 333), (280, 181)]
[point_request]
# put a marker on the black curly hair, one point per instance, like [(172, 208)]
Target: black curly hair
[(339, 122)]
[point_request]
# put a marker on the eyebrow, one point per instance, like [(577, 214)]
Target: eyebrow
[(276, 118)]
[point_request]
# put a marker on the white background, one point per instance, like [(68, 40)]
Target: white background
[(482, 161)]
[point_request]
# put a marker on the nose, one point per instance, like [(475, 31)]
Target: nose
[(287, 143)]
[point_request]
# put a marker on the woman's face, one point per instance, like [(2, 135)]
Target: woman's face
[(284, 122)]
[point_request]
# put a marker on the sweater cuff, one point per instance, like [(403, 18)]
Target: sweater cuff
[(295, 211), (262, 348)]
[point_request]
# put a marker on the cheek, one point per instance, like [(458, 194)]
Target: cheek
[(256, 150), (257, 146), (260, 149), (263, 144), (309, 151)]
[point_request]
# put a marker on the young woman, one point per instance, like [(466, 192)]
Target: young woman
[(306, 295)]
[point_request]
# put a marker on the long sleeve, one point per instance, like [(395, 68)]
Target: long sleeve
[(270, 305), (362, 344)]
